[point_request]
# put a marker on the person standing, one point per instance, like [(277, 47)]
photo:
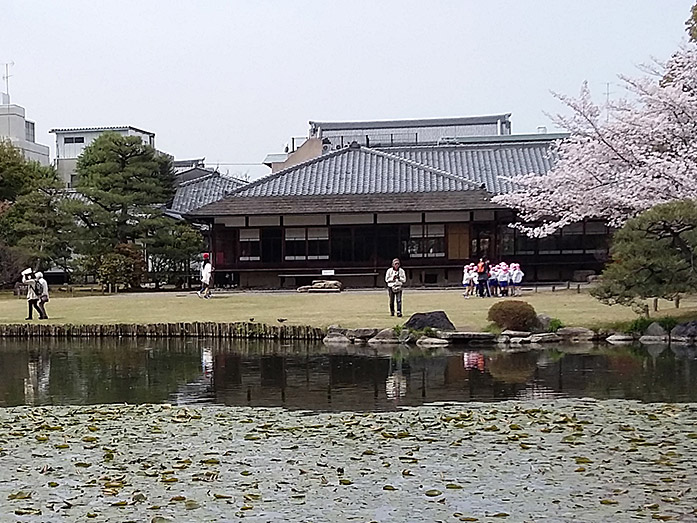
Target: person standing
[(42, 292), (29, 279), (395, 279), (206, 271)]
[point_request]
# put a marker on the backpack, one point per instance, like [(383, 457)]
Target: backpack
[(38, 288)]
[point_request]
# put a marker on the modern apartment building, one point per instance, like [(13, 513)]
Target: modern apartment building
[(71, 142), (20, 132)]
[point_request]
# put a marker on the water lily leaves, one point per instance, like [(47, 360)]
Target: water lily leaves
[(344, 481), (609, 502), (83, 464), (211, 461), (28, 511), (389, 487), (453, 486), (581, 460), (432, 493), (20, 494)]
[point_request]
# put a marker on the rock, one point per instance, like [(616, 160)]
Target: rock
[(582, 275), (687, 330), (406, 337), (653, 340), (620, 339), (543, 322), (336, 329), (545, 337), (436, 320), (681, 340), (360, 335), (516, 334), (520, 341), (387, 336), (336, 339), (576, 334), (655, 329), (503, 340), (427, 342), (322, 286), (466, 336)]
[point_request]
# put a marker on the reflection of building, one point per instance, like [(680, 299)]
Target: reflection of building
[(71, 142), (20, 132)]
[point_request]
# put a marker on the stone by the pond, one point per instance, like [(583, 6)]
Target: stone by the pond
[(385, 336), (545, 337), (576, 333), (360, 335), (653, 340), (687, 330), (655, 329), (427, 342), (463, 336), (336, 338), (503, 340), (520, 341), (516, 334), (336, 329), (543, 322), (620, 339), (437, 320)]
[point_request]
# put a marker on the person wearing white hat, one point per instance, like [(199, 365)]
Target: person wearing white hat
[(30, 280)]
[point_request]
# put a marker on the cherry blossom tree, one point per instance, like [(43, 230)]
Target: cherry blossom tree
[(615, 165)]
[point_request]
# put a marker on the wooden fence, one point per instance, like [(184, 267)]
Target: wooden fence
[(240, 330)]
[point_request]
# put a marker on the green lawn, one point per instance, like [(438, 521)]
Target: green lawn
[(350, 308)]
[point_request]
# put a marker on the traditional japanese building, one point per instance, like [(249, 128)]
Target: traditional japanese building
[(346, 213)]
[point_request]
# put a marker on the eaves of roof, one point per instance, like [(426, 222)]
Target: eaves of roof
[(92, 129), (426, 122)]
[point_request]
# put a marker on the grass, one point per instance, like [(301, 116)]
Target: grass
[(349, 309)]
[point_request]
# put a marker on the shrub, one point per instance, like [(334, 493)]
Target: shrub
[(639, 325), (668, 323), (513, 315), (554, 325)]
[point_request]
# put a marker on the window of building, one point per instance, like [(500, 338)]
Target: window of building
[(74, 139), (550, 244), (524, 244), (250, 245), (307, 243), (427, 241), (506, 239), (318, 243), (572, 239), (29, 132)]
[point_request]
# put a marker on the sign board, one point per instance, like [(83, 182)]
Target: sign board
[(327, 272)]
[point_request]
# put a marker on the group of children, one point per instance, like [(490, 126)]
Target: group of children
[(485, 280)]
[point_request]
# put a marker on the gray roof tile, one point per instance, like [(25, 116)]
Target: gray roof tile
[(486, 162), (192, 194)]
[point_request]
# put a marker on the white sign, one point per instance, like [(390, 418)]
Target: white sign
[(327, 272)]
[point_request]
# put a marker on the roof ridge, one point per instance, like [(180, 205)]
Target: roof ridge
[(425, 167), (199, 178)]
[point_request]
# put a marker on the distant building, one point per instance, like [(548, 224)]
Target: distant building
[(325, 137), (71, 142), (20, 131)]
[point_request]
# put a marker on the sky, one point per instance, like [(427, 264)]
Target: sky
[(232, 81)]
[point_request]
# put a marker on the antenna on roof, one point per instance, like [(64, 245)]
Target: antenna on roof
[(6, 99)]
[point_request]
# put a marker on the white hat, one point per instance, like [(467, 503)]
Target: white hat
[(26, 272), (39, 274)]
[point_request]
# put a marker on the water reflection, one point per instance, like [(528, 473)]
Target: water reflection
[(302, 376)]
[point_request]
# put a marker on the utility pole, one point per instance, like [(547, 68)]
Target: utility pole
[(607, 102)]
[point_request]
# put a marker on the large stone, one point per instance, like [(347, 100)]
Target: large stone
[(360, 335), (655, 329), (437, 320), (685, 330), (543, 322), (545, 337), (576, 334), (322, 286), (520, 341), (426, 342), (336, 338), (582, 275), (461, 336), (336, 329), (620, 339), (385, 336), (653, 340), (516, 334)]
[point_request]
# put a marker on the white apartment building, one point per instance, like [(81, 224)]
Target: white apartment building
[(71, 142), (20, 132)]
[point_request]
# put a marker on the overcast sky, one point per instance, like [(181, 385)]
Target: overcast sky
[(233, 81)]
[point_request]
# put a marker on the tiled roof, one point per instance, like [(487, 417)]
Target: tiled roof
[(109, 128), (355, 170), (192, 194), (486, 160)]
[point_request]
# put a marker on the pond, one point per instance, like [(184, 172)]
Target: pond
[(314, 377)]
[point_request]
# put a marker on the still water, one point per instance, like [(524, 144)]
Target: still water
[(313, 377)]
